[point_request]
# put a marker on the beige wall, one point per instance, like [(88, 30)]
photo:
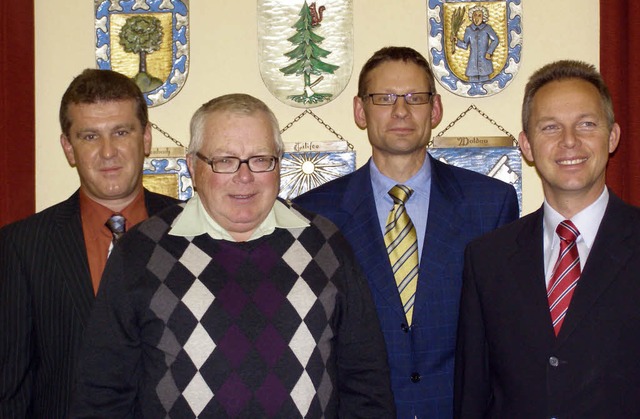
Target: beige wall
[(224, 60)]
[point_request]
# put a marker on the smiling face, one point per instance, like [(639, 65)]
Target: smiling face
[(399, 129), (569, 141), (238, 201), (107, 144)]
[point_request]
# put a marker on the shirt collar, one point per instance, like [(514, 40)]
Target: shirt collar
[(97, 214), (195, 220), (381, 184), (586, 221)]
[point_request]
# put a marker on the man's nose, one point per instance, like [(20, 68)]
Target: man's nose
[(107, 148), (400, 108), (244, 174)]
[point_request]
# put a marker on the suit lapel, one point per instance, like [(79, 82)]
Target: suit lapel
[(363, 228), (444, 224), (609, 254), (526, 265), (67, 243)]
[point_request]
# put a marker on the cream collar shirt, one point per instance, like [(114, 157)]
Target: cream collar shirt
[(195, 220)]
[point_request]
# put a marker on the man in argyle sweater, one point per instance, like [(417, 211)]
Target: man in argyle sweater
[(234, 304)]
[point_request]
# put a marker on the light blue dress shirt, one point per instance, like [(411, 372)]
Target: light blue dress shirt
[(418, 204)]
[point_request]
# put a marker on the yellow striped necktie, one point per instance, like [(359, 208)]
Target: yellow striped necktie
[(402, 245)]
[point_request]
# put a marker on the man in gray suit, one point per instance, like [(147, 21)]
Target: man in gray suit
[(51, 262)]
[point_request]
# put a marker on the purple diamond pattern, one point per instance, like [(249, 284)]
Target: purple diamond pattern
[(270, 345), (233, 395), (233, 299), (272, 394), (235, 346), (247, 332), (268, 299)]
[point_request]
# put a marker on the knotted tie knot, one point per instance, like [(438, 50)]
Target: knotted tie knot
[(567, 231), (116, 223), (400, 194)]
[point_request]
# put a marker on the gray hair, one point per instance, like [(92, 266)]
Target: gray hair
[(238, 103)]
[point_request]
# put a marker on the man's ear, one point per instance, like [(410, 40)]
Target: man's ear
[(359, 115), (614, 137), (436, 111), (525, 146), (68, 149), (192, 169), (146, 139)]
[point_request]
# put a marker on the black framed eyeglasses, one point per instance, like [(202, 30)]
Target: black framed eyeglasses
[(230, 164), (389, 99)]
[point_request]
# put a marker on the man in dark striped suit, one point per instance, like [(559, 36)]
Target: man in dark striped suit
[(51, 262)]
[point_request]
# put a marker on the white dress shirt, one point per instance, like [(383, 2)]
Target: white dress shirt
[(586, 221)]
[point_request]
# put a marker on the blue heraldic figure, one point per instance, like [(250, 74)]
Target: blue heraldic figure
[(482, 41)]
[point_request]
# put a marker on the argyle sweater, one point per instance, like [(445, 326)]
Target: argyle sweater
[(281, 326)]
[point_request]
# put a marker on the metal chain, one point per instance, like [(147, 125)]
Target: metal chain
[(327, 126), (166, 134), (493, 121), (289, 125)]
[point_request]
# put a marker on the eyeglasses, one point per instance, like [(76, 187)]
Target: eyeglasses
[(388, 99), (229, 164)]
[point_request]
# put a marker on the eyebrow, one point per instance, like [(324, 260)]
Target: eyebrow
[(579, 116), (221, 152), (114, 128)]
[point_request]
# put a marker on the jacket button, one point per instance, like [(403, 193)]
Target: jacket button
[(404, 328), (553, 361), (415, 377)]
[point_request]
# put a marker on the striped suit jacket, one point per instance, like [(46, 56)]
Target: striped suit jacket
[(463, 205), (45, 300)]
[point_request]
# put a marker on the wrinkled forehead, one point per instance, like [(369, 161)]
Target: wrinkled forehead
[(236, 133), (392, 73)]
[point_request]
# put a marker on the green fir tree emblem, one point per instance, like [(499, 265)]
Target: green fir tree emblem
[(307, 55)]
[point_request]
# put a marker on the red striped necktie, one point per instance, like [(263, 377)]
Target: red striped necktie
[(565, 274)]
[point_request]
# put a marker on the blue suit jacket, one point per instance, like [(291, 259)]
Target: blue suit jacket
[(463, 205)]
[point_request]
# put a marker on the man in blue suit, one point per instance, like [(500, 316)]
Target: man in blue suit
[(398, 105)]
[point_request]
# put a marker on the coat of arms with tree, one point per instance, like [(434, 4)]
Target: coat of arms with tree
[(308, 55), (142, 35)]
